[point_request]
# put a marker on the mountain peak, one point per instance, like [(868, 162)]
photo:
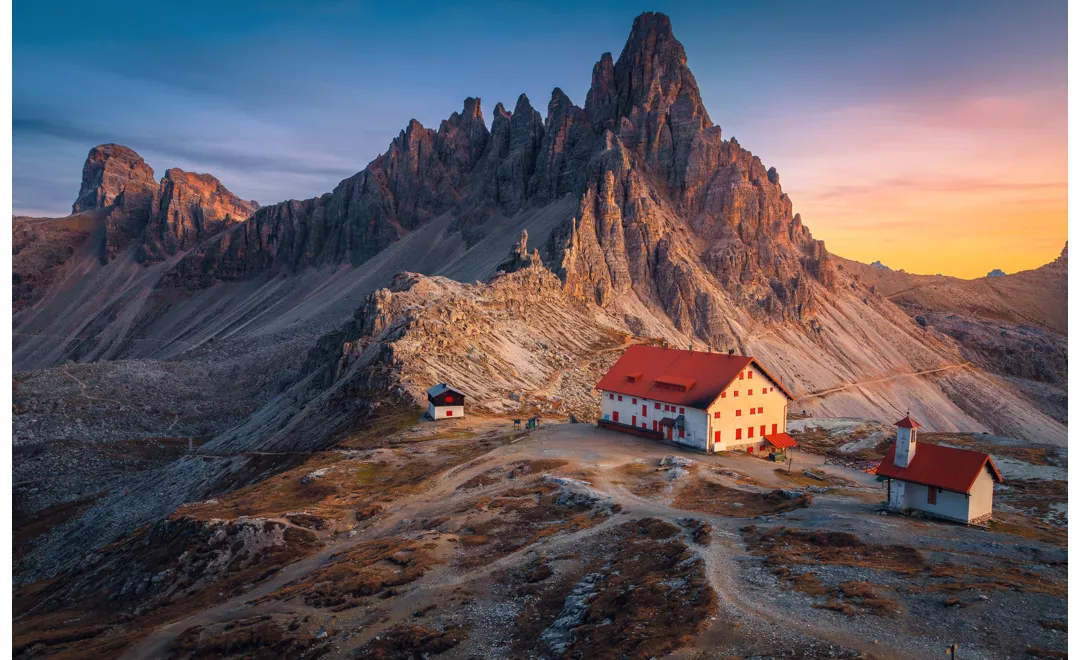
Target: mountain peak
[(108, 171)]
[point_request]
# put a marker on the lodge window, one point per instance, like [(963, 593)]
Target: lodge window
[(774, 429), (749, 374), (750, 431), (735, 393), (760, 410), (611, 396), (657, 406), (738, 413), (749, 392), (723, 395), (716, 415), (682, 433), (741, 375), (738, 434), (753, 410), (761, 431), (682, 411), (620, 397), (931, 495), (633, 401)]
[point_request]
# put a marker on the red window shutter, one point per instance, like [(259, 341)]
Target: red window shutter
[(682, 433), (633, 420), (716, 437), (723, 395), (749, 431), (750, 449), (741, 375), (749, 374), (449, 413), (657, 405), (749, 392), (753, 410), (774, 429), (620, 397), (762, 431), (738, 413), (644, 410), (682, 410), (764, 390), (634, 401), (615, 416), (735, 393), (654, 425), (738, 434), (716, 415), (610, 395)]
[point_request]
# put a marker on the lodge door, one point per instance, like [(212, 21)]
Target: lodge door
[(669, 433)]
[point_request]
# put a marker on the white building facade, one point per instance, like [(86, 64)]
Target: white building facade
[(444, 402), (739, 414), (943, 482)]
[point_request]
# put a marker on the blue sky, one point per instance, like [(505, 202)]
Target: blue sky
[(853, 102)]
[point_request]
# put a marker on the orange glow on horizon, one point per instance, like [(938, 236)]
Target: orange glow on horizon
[(959, 187)]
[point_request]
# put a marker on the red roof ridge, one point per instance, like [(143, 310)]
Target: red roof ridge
[(948, 468)]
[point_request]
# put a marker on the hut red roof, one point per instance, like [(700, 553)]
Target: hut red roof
[(781, 440), (908, 423), (686, 378), (942, 467)]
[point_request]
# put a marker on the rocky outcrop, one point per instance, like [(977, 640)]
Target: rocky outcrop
[(186, 210), (670, 212), (165, 217), (110, 172), (520, 257), (119, 180)]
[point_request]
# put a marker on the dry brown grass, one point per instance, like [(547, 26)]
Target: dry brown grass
[(826, 481), (1006, 575), (257, 638), (410, 643), (1027, 528), (641, 479), (783, 546), (512, 472), (515, 518), (713, 498), (368, 569), (650, 596)]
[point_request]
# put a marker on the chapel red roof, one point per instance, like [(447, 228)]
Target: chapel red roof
[(908, 423), (781, 440), (942, 467), (686, 378)]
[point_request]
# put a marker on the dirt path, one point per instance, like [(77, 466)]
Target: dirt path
[(608, 450), (833, 390)]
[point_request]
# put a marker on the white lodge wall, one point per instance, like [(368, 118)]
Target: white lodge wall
[(750, 392), (981, 503), (734, 407), (951, 505)]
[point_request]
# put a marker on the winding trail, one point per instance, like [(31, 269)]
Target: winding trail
[(925, 372), (737, 602)]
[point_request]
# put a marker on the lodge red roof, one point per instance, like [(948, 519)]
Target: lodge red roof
[(701, 377), (781, 440), (942, 467), (908, 423)]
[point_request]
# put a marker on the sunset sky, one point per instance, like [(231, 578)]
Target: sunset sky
[(928, 135)]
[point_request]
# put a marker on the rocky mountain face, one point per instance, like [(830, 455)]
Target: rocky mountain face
[(164, 217), (187, 209), (1014, 325)]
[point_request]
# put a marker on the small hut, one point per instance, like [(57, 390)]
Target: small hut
[(444, 402)]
